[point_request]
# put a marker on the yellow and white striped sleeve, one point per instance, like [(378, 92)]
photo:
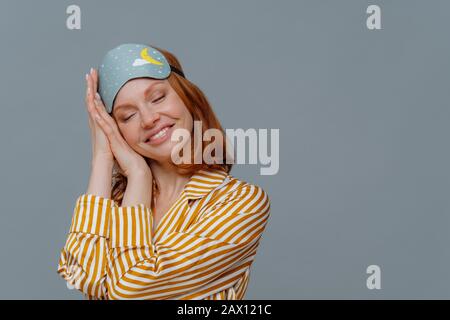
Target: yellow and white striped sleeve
[(83, 259)]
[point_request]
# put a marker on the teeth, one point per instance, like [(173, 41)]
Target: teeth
[(160, 134)]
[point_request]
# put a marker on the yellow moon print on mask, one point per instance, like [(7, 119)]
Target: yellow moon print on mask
[(146, 58)]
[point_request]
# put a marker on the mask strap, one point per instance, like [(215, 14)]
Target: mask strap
[(176, 70)]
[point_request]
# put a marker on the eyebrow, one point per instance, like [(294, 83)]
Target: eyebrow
[(146, 92)]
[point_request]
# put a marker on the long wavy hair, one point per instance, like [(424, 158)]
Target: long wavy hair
[(200, 108)]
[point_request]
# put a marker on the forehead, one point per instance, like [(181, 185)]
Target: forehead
[(134, 89), (134, 86)]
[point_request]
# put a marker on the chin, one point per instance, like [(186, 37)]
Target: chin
[(160, 153)]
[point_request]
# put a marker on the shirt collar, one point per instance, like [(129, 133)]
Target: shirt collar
[(203, 181)]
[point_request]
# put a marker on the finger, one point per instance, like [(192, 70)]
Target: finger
[(88, 90), (95, 79), (108, 124), (101, 113), (100, 108), (90, 96), (105, 127), (89, 105), (91, 86)]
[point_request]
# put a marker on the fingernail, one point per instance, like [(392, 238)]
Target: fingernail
[(86, 76), (91, 70), (97, 95)]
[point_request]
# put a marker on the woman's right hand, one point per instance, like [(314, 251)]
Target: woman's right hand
[(100, 143)]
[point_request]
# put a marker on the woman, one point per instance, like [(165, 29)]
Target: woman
[(162, 229)]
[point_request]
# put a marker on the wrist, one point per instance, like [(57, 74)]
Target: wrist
[(102, 161), (139, 190), (140, 175), (140, 171), (100, 178)]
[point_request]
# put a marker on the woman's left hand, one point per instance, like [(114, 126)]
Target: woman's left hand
[(129, 160)]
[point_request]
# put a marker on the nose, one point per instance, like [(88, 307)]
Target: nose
[(149, 118)]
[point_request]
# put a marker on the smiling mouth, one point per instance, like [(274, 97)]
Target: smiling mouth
[(160, 134)]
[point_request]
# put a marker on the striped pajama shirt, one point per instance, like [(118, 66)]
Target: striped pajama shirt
[(202, 249)]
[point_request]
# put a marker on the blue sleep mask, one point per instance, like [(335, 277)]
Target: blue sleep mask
[(129, 61)]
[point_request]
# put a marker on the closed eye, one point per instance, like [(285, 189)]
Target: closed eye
[(159, 98)]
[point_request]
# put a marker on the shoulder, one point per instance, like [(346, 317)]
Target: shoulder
[(239, 193)]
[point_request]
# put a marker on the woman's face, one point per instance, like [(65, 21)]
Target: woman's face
[(142, 107)]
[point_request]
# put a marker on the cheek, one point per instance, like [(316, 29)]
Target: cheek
[(179, 110), (129, 134), (189, 121), (176, 106)]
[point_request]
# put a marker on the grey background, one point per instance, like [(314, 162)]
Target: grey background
[(363, 118)]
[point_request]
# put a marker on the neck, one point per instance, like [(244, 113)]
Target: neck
[(169, 180)]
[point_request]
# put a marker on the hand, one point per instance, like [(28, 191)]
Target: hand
[(130, 162), (100, 143)]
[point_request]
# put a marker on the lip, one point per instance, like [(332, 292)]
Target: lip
[(163, 138)]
